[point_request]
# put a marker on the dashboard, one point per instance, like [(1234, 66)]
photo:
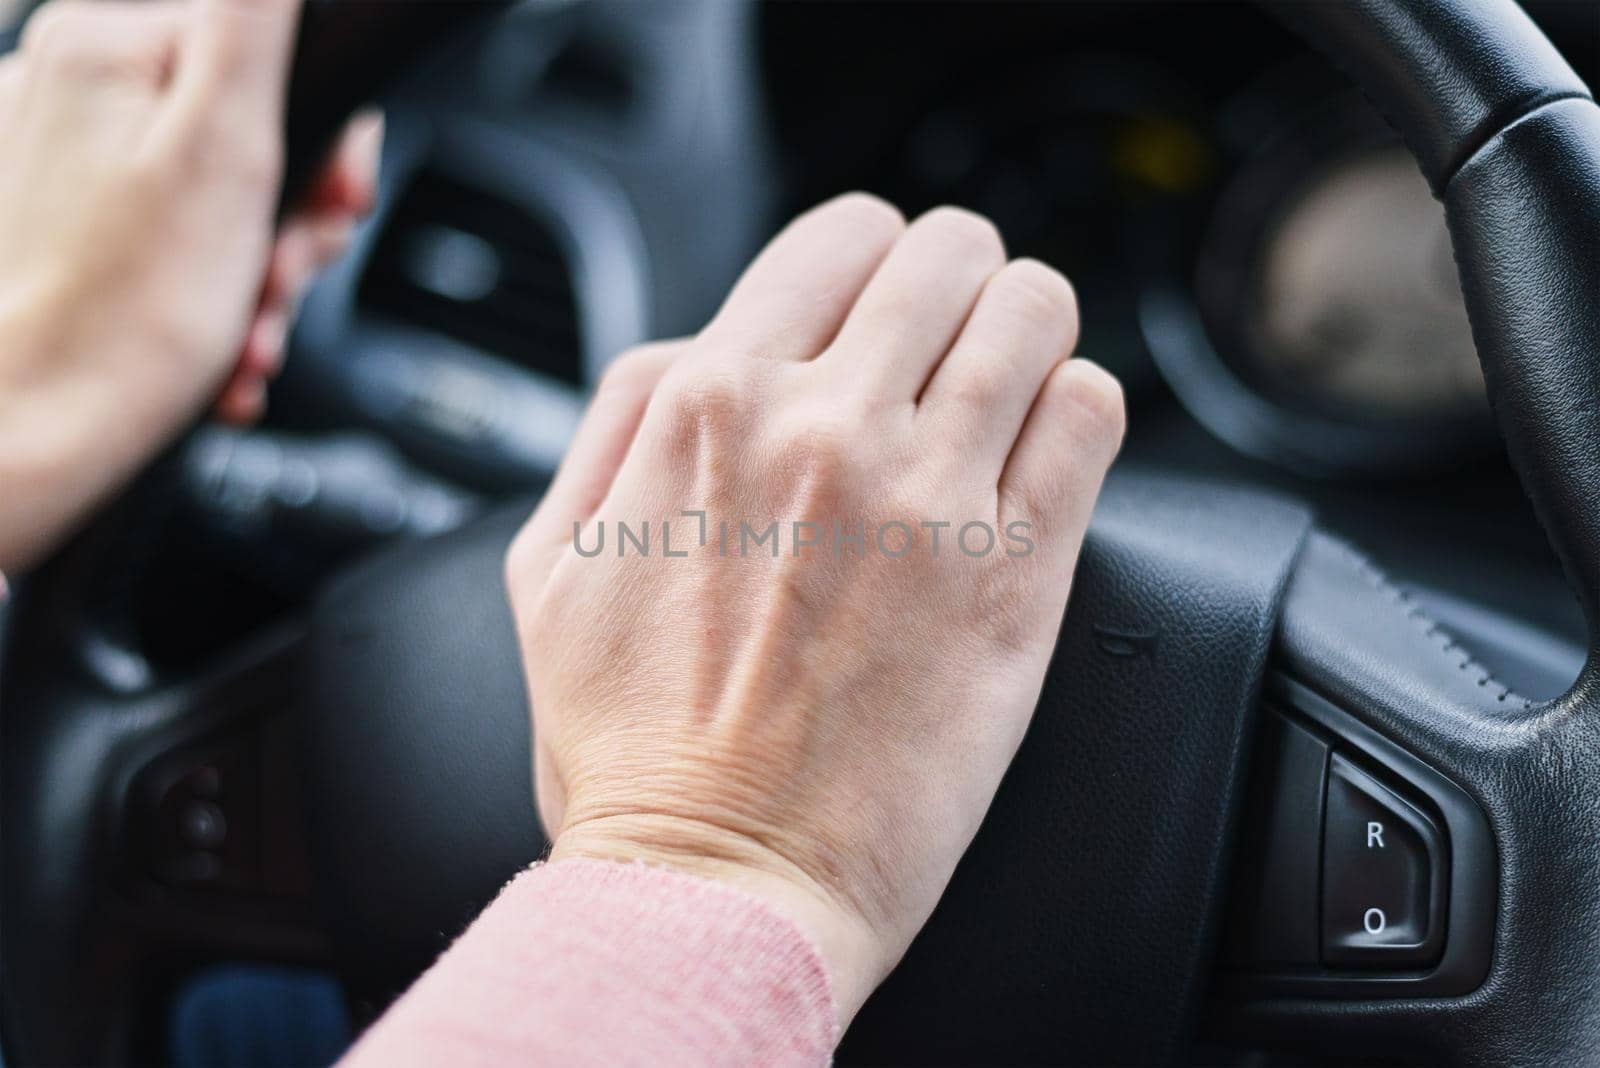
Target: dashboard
[(1255, 257)]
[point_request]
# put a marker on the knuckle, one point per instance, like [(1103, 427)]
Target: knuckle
[(1038, 294), (638, 369), (869, 214), (1096, 398), (714, 395), (705, 405), (965, 233), (619, 377)]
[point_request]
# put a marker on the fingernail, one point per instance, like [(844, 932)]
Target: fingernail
[(244, 401), (366, 137), (269, 335)]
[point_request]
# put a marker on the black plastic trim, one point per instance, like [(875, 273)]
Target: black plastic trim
[(1470, 866), (1424, 952)]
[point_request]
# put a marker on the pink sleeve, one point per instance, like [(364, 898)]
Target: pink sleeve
[(594, 962)]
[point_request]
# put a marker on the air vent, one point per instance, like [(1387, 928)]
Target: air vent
[(465, 264)]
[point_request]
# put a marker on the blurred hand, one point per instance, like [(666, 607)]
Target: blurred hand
[(822, 724), (141, 275)]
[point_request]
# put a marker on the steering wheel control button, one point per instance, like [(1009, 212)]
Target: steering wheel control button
[(1382, 861), (1273, 910)]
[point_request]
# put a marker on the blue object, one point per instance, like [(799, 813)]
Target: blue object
[(255, 1016)]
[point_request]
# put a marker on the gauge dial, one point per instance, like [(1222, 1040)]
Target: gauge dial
[(1357, 304), (1324, 328)]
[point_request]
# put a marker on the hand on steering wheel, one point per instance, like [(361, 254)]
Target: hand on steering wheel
[(821, 716), (143, 275)]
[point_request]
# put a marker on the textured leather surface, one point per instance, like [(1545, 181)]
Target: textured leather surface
[(1093, 887), (1511, 142), (1448, 74), (1343, 613), (1080, 924), (1535, 771), (417, 752), (1524, 214)]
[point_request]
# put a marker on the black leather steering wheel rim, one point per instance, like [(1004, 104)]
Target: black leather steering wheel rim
[(1505, 133), (1220, 586)]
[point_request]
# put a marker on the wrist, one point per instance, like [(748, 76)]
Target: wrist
[(70, 434), (849, 947)]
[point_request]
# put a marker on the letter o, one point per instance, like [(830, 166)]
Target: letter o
[(904, 528), (961, 537)]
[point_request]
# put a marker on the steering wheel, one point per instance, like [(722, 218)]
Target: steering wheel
[(1263, 800)]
